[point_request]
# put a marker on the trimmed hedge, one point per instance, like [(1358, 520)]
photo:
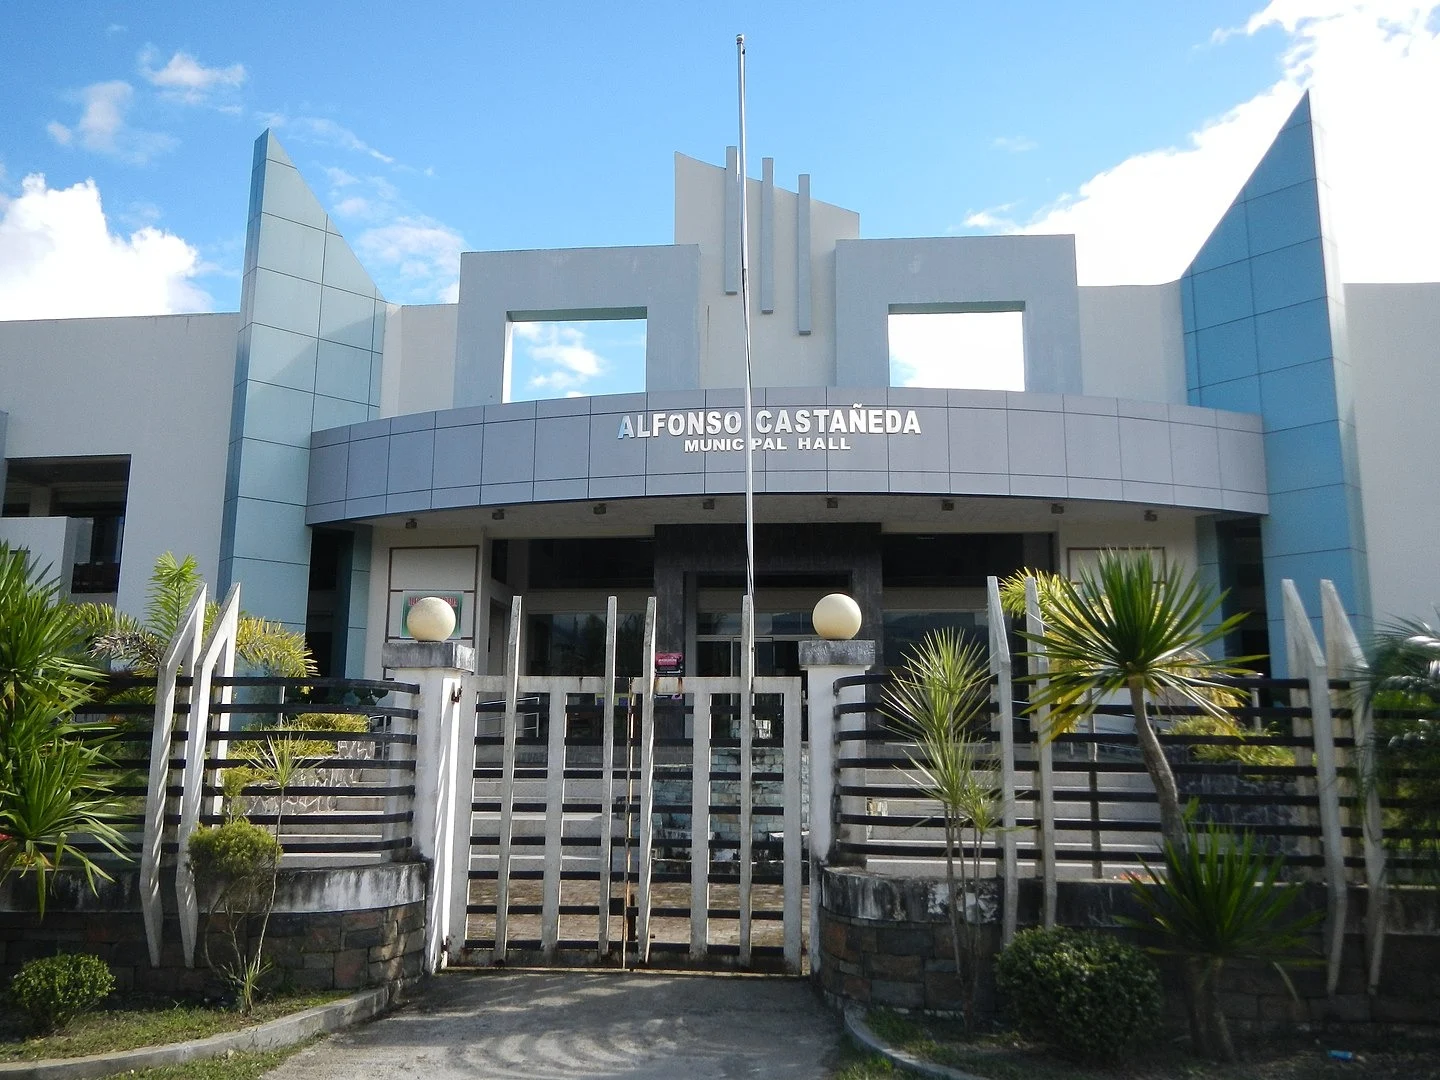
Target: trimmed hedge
[(1086, 995)]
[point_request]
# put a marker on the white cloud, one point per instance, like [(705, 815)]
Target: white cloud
[(184, 78), (323, 130), (1015, 144), (59, 259), (559, 352), (963, 350), (339, 178), (103, 127), (424, 254), (1374, 67)]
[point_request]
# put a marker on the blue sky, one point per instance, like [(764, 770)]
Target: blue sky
[(127, 131)]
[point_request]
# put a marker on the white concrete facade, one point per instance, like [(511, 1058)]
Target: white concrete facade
[(1113, 442)]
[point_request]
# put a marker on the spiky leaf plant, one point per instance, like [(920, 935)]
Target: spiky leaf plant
[(935, 701), (1140, 626), (1218, 899)]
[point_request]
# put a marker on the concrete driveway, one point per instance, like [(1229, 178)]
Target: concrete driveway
[(558, 1025)]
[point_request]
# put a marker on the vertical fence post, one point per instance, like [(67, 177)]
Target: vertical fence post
[(825, 663), (1347, 659), (1039, 721), (507, 782), (439, 668), (1001, 670), (181, 656), (554, 822), (647, 789), (220, 639), (462, 815), (791, 848), (1308, 662), (607, 779), (700, 826)]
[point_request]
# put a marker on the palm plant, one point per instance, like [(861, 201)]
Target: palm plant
[(56, 780), (1217, 900), (137, 646), (1139, 626), (935, 701), (1403, 689)]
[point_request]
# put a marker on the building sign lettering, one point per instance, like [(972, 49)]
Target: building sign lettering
[(820, 428)]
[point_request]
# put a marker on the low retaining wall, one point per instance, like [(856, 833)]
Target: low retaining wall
[(886, 941), (332, 929)]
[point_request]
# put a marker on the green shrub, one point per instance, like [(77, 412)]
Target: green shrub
[(232, 852), (1087, 995), (55, 989)]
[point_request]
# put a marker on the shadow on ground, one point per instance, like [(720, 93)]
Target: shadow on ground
[(558, 1025)]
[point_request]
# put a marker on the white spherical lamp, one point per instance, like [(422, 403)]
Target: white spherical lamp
[(836, 617), (430, 619)]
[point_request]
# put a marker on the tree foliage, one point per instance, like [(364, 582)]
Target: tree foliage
[(1217, 899), (1404, 694), (138, 647), (1138, 626), (56, 780)]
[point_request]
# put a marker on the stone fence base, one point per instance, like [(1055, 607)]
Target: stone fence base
[(886, 941), (331, 929)]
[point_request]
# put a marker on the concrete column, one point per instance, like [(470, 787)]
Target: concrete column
[(824, 663), (439, 668)]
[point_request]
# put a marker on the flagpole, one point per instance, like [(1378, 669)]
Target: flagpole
[(748, 632)]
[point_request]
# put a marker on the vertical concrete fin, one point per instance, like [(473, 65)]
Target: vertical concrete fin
[(767, 236), (732, 220), (804, 309)]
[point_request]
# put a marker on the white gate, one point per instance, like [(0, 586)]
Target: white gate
[(636, 821)]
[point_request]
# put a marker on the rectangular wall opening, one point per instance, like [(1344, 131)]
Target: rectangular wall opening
[(90, 492), (560, 354), (958, 350)]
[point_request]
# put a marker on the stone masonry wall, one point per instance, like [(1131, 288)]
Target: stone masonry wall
[(886, 941), (311, 949)]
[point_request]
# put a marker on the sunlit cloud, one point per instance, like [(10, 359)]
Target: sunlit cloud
[(420, 255), (1015, 144), (963, 350), (103, 128), (323, 130), (59, 259), (1374, 68), (184, 78)]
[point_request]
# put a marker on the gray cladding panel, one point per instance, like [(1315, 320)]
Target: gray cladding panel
[(1038, 446)]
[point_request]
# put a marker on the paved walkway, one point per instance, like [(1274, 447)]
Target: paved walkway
[(559, 1025)]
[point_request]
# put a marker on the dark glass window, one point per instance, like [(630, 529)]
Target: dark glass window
[(573, 643), (949, 560), (609, 563)]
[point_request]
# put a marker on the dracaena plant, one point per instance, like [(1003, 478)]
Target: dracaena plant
[(934, 702)]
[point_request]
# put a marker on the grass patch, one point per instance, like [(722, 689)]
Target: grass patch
[(857, 1064), (135, 1023), (241, 1066)]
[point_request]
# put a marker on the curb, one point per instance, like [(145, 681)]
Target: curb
[(285, 1031), (858, 1030)]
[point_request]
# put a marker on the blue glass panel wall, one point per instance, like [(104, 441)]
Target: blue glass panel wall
[(1264, 320), (309, 354)]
